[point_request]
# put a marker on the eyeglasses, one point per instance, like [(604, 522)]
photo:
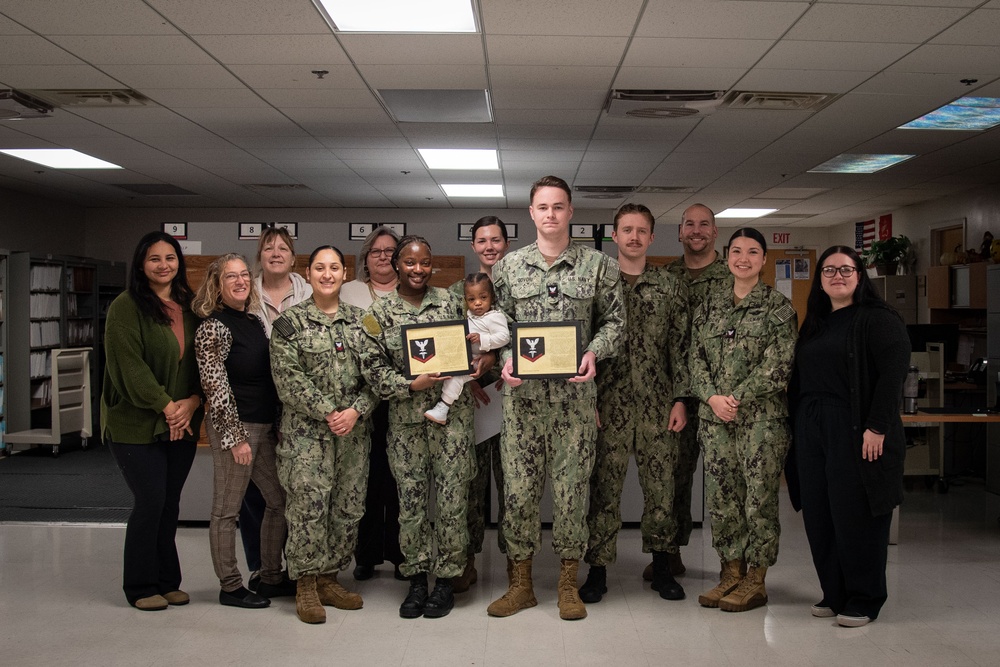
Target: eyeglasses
[(831, 271), (385, 252), (233, 277)]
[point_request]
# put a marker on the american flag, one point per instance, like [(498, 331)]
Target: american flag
[(864, 234)]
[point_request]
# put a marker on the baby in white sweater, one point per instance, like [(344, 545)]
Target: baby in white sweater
[(488, 330)]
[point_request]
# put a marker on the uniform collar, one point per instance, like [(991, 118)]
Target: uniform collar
[(316, 315), (569, 255)]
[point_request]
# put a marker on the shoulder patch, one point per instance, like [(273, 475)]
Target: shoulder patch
[(612, 271), (371, 325), (784, 313), (284, 326)]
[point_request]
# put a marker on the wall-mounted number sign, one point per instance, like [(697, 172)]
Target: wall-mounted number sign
[(251, 230), (291, 227), (608, 229), (361, 230), (179, 230), (582, 232)]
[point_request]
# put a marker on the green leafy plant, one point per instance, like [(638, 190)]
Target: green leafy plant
[(890, 251)]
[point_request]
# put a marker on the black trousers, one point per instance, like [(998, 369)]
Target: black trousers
[(849, 546), (378, 531), (155, 474)]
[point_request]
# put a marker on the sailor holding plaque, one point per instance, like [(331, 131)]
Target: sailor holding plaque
[(569, 298)]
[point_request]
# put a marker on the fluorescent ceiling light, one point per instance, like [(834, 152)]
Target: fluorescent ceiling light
[(745, 212), (459, 158), (966, 113), (60, 158), (859, 163), (472, 190), (400, 15), (438, 106)]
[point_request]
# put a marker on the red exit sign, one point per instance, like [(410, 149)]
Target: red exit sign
[(782, 237)]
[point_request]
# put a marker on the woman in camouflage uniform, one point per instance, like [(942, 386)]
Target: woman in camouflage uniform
[(323, 453), (422, 452), (743, 342)]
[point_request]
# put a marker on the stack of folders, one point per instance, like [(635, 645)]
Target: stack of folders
[(41, 394), (80, 332), (45, 334), (43, 306), (45, 277), (40, 364)]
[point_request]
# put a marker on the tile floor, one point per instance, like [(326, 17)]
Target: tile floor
[(61, 603)]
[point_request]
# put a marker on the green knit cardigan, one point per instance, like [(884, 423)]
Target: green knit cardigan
[(143, 373)]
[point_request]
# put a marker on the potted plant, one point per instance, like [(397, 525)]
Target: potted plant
[(886, 255)]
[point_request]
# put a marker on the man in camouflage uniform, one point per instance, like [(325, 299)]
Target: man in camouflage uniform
[(314, 361), (550, 431), (640, 395), (421, 452), (704, 271), (741, 355)]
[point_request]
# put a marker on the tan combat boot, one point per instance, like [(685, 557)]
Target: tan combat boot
[(332, 593), (307, 604), (520, 595), (571, 607), (730, 577), (469, 576), (750, 594)]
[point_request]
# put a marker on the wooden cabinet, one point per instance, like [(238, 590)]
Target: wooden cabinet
[(962, 286), (939, 287)]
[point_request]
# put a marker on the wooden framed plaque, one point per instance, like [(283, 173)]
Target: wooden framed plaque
[(546, 350), (437, 347)]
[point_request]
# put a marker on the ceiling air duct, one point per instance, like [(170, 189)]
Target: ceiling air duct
[(15, 105), (663, 103)]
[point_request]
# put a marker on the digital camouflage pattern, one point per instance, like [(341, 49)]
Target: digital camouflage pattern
[(745, 350), (316, 369), (420, 451), (714, 277), (549, 426), (636, 391), (487, 457)]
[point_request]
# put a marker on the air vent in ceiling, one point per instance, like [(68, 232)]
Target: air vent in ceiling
[(95, 98), (775, 101), (605, 189), (277, 186), (663, 103), (156, 189), (664, 189), (16, 105)]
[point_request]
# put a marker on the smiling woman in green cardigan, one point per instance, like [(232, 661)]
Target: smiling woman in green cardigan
[(151, 413)]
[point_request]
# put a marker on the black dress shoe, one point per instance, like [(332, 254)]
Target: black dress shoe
[(441, 600), (285, 588), (241, 597), (363, 572), (416, 599)]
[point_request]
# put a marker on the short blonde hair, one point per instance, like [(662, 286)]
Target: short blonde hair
[(208, 300), (266, 237)]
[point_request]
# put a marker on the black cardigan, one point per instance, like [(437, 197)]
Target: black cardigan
[(878, 351)]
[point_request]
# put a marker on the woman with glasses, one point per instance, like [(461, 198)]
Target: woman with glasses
[(378, 532), (233, 361), (846, 466), (742, 344)]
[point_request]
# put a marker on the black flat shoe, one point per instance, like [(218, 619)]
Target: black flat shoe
[(363, 572), (286, 588), (244, 599)]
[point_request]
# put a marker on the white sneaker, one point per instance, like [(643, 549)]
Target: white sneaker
[(847, 621), (820, 611), (439, 413)]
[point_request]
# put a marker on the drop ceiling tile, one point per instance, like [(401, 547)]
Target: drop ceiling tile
[(353, 131), (659, 147), (544, 132), (555, 145), (332, 115), (702, 53), (801, 80), (582, 50), (298, 76), (644, 158), (112, 116), (425, 49), (206, 98), (847, 56), (450, 135), (540, 98), (274, 49), (725, 20), (8, 27), (559, 17), (326, 98), (980, 28), (31, 50), (679, 78), (970, 61), (134, 50), (513, 156), (151, 77), (945, 86), (912, 141), (277, 143), (88, 17), (535, 169), (245, 123), (388, 155), (253, 17), (873, 23), (424, 76), (551, 78), (56, 129), (546, 116), (367, 143), (55, 76), (657, 130)]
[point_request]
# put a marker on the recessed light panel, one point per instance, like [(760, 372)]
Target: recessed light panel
[(459, 158), (437, 105), (966, 113), (60, 158), (472, 190), (745, 212), (860, 163), (400, 15)]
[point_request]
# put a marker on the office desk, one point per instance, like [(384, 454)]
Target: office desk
[(932, 419)]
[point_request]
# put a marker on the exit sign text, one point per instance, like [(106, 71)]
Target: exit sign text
[(782, 237)]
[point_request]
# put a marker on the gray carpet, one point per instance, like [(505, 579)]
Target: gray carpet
[(78, 486)]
